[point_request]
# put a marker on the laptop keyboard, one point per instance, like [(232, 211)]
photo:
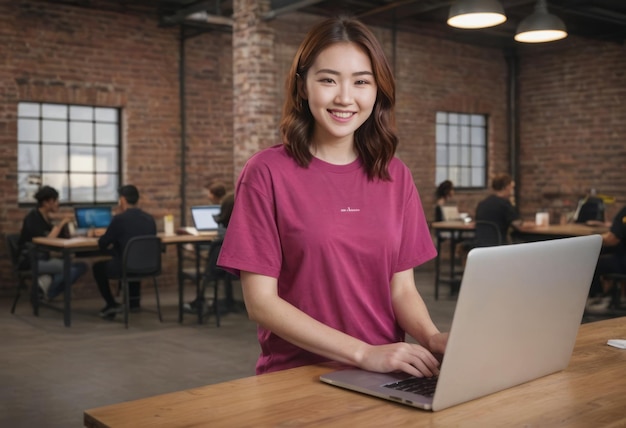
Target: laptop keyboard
[(419, 385)]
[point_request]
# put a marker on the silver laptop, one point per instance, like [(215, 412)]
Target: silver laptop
[(450, 213), (516, 319), (204, 217)]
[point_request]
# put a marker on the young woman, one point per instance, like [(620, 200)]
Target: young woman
[(328, 226), (444, 192)]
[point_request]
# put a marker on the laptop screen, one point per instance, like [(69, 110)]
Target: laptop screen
[(204, 217), (87, 217)]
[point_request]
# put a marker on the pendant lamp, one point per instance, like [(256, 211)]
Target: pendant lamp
[(541, 26), (473, 14)]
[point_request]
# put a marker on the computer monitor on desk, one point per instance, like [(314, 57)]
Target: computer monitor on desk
[(96, 217)]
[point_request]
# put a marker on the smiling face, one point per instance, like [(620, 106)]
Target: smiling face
[(341, 93)]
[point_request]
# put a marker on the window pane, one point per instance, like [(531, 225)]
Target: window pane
[(28, 130), (453, 134), (441, 174), (453, 118), (28, 157), (54, 111), (453, 174), (442, 155), (27, 186), (465, 156), (465, 178), (106, 115), (465, 135), (81, 113), (81, 132), (28, 110), (441, 117), (54, 131), (453, 156), (478, 177), (106, 134), (81, 159), (54, 158), (106, 159), (478, 120), (106, 187), (478, 156), (478, 136), (441, 134), (82, 187)]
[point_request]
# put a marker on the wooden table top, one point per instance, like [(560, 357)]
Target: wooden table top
[(84, 242), (569, 229), (590, 392)]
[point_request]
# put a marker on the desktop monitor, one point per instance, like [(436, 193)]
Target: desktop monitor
[(96, 217)]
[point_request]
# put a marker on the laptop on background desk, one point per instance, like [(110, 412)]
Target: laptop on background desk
[(92, 217), (516, 319), (203, 217)]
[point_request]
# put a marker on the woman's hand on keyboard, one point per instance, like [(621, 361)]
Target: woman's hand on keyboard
[(407, 357)]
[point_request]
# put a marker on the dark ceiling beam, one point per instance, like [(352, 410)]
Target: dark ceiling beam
[(289, 8)]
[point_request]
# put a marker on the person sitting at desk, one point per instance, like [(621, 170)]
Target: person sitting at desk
[(130, 222), (443, 194), (38, 223), (216, 191), (497, 209), (328, 226), (611, 261), (222, 219)]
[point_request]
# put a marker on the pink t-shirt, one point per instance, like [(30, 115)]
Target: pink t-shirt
[(333, 239)]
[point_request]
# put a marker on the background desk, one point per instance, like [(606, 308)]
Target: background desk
[(589, 393), (69, 247), (554, 231)]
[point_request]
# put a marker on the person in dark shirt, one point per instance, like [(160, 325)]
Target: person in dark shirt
[(39, 223), (130, 222), (612, 260), (498, 209)]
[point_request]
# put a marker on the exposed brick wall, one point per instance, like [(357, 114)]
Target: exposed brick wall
[(573, 123)]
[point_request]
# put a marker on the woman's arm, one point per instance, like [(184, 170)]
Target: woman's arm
[(283, 319), (412, 313)]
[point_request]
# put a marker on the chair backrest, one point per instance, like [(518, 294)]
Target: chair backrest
[(487, 234), (211, 270), (142, 256), (12, 248), (591, 208)]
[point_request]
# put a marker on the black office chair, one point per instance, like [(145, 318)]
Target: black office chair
[(22, 273), (141, 259), (590, 209), (487, 234), (213, 275)]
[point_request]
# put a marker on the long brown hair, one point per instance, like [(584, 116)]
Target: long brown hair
[(376, 139)]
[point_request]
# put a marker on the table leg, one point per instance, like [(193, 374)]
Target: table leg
[(181, 280), (67, 288), (437, 265), (34, 289)]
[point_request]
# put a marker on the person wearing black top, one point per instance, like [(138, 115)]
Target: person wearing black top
[(38, 223), (497, 208), (130, 222), (611, 260)]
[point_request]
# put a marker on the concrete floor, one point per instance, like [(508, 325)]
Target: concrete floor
[(50, 374)]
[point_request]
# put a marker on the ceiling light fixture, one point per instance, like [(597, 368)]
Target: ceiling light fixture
[(473, 14), (541, 26)]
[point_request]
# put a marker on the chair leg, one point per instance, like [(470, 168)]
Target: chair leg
[(156, 291), (17, 296), (126, 301), (216, 308)]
